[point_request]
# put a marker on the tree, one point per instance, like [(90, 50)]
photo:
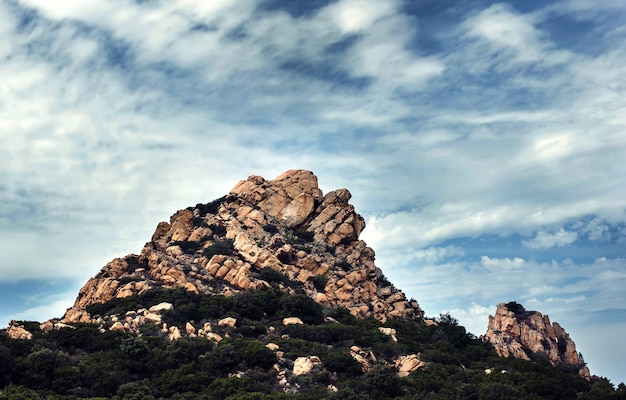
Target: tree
[(381, 381), (6, 365)]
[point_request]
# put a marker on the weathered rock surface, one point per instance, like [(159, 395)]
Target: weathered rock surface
[(286, 224), (292, 321), (17, 331), (363, 357), (515, 332), (407, 364)]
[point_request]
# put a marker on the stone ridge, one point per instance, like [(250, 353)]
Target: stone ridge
[(286, 224), (515, 332)]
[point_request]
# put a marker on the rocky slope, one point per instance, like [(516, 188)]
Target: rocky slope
[(515, 332), (286, 224)]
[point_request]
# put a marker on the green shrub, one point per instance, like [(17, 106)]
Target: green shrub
[(208, 208), (224, 247), (302, 306), (381, 382), (187, 246), (299, 237), (219, 230), (135, 391), (270, 275), (254, 354), (319, 282), (295, 348), (342, 315), (343, 265), (133, 263), (270, 228), (341, 362), (129, 278), (515, 307)]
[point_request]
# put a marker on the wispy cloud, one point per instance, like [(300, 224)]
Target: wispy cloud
[(545, 240), (479, 141)]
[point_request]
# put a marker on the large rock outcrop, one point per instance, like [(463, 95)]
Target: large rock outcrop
[(286, 224), (515, 332)]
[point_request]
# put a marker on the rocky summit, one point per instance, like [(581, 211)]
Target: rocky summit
[(515, 332), (226, 246)]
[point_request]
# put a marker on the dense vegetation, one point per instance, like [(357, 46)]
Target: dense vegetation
[(84, 363)]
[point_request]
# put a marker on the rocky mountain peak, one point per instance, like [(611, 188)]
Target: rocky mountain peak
[(516, 332), (283, 230)]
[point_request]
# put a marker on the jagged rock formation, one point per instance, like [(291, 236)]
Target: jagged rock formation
[(515, 332), (17, 331), (286, 224)]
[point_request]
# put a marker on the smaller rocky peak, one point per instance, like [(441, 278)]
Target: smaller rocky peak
[(516, 332)]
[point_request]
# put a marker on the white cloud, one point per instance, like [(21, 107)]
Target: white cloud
[(436, 254), (72, 9), (505, 29), (474, 317), (51, 307), (597, 230), (546, 240), (383, 54), (502, 263), (512, 33), (354, 16)]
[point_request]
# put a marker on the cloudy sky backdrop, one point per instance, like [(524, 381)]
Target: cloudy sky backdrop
[(484, 142)]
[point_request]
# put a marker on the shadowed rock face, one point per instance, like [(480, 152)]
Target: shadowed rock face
[(286, 224), (514, 332)]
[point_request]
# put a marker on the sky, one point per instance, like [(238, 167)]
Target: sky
[(482, 141)]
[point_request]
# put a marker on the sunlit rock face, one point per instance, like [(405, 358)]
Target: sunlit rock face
[(515, 332), (286, 224)]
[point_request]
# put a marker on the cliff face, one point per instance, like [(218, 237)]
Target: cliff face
[(286, 224), (514, 332)]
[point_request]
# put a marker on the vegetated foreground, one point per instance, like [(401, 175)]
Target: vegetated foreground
[(259, 354)]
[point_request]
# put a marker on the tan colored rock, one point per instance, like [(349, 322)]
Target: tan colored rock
[(361, 357), (513, 328), (117, 327), (302, 366), (153, 317), (297, 211), (76, 315), (407, 364), (174, 333), (161, 307), (174, 251), (272, 346), (190, 287), (17, 332), (190, 329), (181, 224), (292, 321), (214, 337), (46, 326), (228, 321), (389, 332), (61, 325), (159, 235), (199, 234)]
